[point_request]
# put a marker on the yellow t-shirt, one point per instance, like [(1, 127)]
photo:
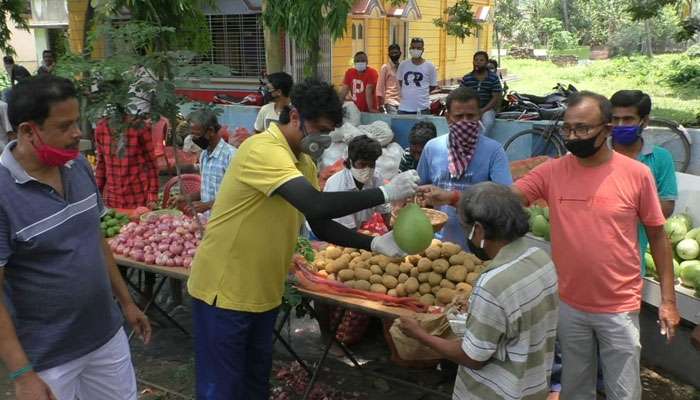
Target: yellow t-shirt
[(243, 259)]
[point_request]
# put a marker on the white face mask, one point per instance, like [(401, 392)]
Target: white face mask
[(416, 53), (361, 66), (362, 175)]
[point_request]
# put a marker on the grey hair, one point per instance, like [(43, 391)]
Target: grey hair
[(496, 208), (205, 118)]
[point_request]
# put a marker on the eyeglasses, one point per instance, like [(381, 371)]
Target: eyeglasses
[(578, 130)]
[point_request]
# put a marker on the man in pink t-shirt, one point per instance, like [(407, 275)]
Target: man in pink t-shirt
[(361, 83), (596, 198)]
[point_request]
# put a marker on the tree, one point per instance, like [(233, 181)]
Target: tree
[(459, 20), (16, 10), (565, 14), (642, 10)]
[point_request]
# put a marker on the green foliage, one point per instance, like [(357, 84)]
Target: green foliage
[(12, 13), (684, 71), (694, 50), (646, 9), (459, 21), (627, 40), (563, 40)]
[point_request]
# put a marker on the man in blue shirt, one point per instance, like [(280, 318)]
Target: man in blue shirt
[(487, 86), (631, 110), (454, 168)]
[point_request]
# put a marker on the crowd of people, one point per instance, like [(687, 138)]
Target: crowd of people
[(530, 316)]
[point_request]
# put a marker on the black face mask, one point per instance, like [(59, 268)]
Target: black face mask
[(201, 141), (476, 250), (395, 60), (583, 148)]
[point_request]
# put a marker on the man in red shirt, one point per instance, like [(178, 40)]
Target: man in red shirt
[(361, 82)]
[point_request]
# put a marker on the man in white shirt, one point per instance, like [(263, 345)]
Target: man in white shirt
[(417, 78), (279, 84), (359, 174)]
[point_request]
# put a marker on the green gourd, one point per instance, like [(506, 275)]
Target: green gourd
[(413, 231)]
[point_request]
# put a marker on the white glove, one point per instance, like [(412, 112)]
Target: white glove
[(401, 186), (386, 245)]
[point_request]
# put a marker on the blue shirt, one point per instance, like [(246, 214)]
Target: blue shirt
[(485, 89), (489, 163), (213, 167), (660, 161), (55, 271)]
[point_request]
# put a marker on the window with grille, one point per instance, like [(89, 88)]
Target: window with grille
[(237, 42)]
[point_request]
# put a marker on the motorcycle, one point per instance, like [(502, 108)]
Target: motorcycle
[(252, 99), (521, 106)]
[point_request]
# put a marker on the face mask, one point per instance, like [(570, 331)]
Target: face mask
[(583, 148), (395, 59), (416, 53), (53, 156), (626, 134), (361, 66), (201, 141), (314, 145), (362, 175), (477, 250), (267, 95)]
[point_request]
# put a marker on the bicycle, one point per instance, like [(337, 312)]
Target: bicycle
[(671, 136)]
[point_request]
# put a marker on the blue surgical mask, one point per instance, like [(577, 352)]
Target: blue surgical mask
[(361, 66), (626, 134)]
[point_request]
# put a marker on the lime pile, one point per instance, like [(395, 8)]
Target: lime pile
[(112, 222), (539, 221)]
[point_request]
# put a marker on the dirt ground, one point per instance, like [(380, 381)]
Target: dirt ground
[(165, 369)]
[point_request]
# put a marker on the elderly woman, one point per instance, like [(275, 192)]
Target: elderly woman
[(508, 346)]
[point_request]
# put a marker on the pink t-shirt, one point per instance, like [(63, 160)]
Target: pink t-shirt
[(594, 213)]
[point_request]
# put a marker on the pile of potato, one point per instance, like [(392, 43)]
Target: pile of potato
[(435, 276)]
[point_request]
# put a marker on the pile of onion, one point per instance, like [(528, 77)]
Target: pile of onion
[(165, 240)]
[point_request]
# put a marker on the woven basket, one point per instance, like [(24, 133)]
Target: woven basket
[(437, 218), (155, 214)]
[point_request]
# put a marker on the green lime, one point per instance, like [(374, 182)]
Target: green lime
[(112, 231), (112, 222), (103, 225)]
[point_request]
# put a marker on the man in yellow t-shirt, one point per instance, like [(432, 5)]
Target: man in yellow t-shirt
[(238, 274)]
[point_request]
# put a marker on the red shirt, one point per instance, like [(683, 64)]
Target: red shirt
[(358, 82), (131, 180)]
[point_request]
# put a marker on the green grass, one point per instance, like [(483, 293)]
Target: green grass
[(582, 52), (681, 104)]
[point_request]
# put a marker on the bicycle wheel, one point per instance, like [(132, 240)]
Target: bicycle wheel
[(672, 137), (532, 143)]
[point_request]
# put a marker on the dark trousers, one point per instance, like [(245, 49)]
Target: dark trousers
[(422, 112), (233, 352)]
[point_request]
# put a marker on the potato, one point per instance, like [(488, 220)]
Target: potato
[(413, 259), (464, 287), (321, 254), (333, 252), (331, 277), (428, 299), (457, 273), (349, 250), (472, 277), (338, 264), (389, 281), (392, 269), (401, 290), (450, 249), (402, 278), (436, 243), (346, 275), (476, 260), (365, 255), (425, 288), (355, 254), (320, 264), (362, 285), (411, 285), (469, 265), (377, 288), (425, 265), (405, 267), (434, 279), (392, 293), (415, 295), (440, 266), (414, 272), (375, 278), (323, 273), (383, 260), (433, 252), (376, 269), (458, 259), (350, 283), (435, 289), (447, 284), (445, 295), (423, 277), (362, 274)]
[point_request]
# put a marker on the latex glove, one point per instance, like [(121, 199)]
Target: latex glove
[(386, 245), (401, 186)]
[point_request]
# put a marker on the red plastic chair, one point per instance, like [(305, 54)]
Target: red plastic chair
[(191, 183)]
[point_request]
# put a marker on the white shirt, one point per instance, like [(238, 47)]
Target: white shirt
[(416, 81), (342, 181), (266, 115)]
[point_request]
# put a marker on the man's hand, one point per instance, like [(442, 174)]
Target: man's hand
[(386, 244), (401, 186), (668, 319), (411, 328), (153, 205), (695, 338), (31, 387), (138, 321), (433, 196), (201, 207)]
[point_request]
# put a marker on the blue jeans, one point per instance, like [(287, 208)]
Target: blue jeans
[(233, 352)]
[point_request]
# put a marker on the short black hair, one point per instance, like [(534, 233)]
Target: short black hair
[(206, 119), (417, 40), (282, 81), (633, 98), (422, 132), (604, 104), (461, 95), (360, 53), (496, 208), (364, 148), (48, 51), (8, 60), (31, 99), (314, 100), (481, 53), (394, 46)]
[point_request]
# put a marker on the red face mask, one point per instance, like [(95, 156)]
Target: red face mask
[(53, 156)]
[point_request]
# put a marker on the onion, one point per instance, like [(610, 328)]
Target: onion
[(148, 248), (176, 249), (191, 252), (120, 249), (186, 261), (177, 260), (149, 258), (139, 244), (169, 262), (188, 236), (113, 245), (161, 260), (162, 247)]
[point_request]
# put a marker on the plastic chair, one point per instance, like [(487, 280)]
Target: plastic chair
[(191, 183)]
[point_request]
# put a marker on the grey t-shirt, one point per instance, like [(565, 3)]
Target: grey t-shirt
[(56, 276)]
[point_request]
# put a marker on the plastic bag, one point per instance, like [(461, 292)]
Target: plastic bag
[(390, 160), (336, 152), (350, 132), (351, 113), (379, 131)]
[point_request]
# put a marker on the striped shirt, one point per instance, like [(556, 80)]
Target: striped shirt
[(213, 167), (485, 89), (512, 325)]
